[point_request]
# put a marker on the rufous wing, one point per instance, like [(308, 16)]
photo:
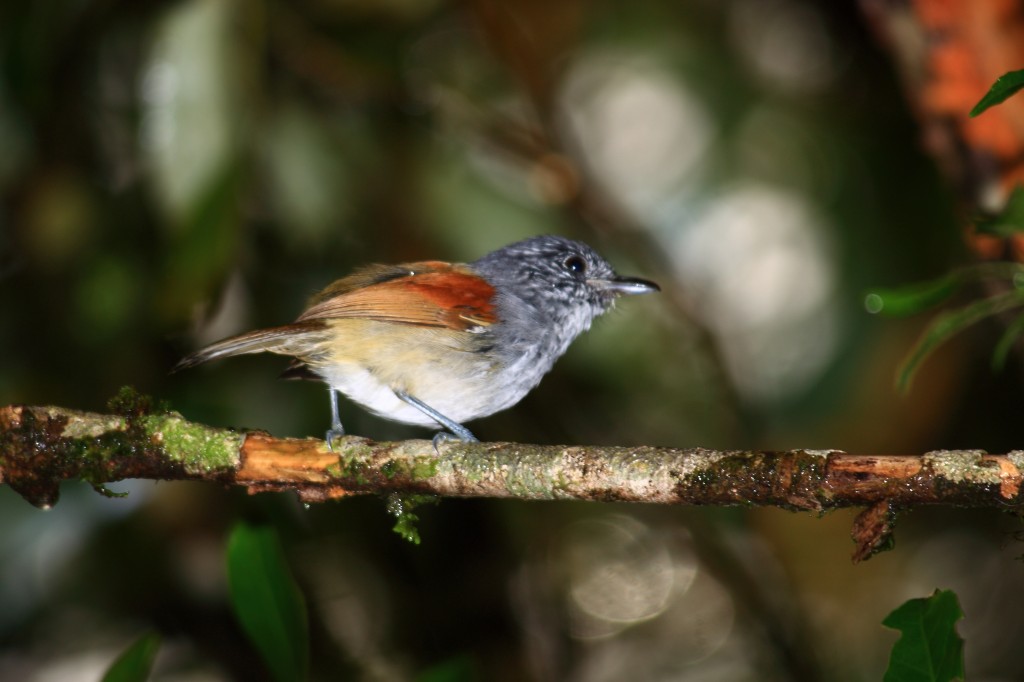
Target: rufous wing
[(428, 293)]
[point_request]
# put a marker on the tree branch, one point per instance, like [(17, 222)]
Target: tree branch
[(42, 446)]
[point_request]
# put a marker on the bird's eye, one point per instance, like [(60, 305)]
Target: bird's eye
[(575, 264)]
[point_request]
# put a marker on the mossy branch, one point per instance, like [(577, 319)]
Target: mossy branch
[(42, 446)]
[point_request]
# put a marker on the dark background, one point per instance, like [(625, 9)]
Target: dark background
[(175, 172)]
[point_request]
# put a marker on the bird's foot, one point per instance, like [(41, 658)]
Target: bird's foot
[(331, 435), (442, 437)]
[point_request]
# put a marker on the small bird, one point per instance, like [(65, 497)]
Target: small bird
[(443, 343)]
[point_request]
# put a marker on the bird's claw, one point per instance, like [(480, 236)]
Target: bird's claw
[(442, 437), (331, 435)]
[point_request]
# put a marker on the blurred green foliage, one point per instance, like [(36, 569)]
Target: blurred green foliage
[(135, 664), (920, 296), (267, 600), (1009, 221)]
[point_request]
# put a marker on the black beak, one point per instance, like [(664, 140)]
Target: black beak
[(625, 286)]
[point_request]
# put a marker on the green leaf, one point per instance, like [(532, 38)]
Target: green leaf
[(929, 650), (1010, 220), (135, 663), (1006, 85), (267, 601), (948, 324), (912, 298)]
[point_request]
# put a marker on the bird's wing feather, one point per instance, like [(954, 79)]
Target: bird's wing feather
[(429, 293), (300, 338), (375, 274)]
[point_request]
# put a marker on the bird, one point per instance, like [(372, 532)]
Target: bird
[(433, 343)]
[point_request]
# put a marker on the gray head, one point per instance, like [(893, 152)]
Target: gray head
[(559, 278), (548, 291)]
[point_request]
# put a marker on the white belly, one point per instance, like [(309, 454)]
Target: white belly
[(364, 388), (480, 392)]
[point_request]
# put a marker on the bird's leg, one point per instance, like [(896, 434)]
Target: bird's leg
[(458, 430), (336, 430)]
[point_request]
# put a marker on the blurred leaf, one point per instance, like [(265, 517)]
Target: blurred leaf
[(191, 96), (15, 138), (60, 219), (947, 324), (310, 181), (929, 650), (106, 298), (458, 669), (1004, 87), (912, 298), (1010, 220), (205, 246), (267, 601), (135, 663), (477, 214), (1006, 342), (919, 296)]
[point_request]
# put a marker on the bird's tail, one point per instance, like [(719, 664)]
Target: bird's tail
[(301, 340)]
